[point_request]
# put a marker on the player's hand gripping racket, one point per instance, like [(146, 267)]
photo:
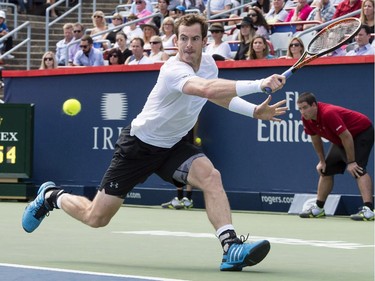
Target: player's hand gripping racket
[(325, 41)]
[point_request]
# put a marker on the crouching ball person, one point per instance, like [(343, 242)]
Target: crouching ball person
[(153, 144), (352, 137)]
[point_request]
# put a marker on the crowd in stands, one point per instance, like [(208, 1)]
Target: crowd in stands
[(234, 35)]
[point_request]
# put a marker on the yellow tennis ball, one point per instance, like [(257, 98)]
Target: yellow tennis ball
[(72, 107), (198, 141)]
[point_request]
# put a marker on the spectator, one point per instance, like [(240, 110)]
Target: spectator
[(346, 7), (116, 21), (218, 47), (137, 57), (295, 49), (133, 8), (100, 25), (259, 22), (24, 6), (53, 11), (132, 30), (157, 53), (48, 61), (259, 49), (299, 13), (323, 12), (168, 38), (122, 45), (277, 13), (141, 10), (115, 57), (363, 43), (367, 14), (163, 9), (8, 44), (247, 32), (63, 43), (78, 32), (149, 29), (262, 5), (88, 55), (220, 6), (179, 11)]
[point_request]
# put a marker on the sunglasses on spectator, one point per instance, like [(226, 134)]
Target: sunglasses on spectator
[(155, 42), (252, 15), (83, 46), (116, 18), (113, 56), (77, 31), (216, 31), (138, 2), (98, 17), (50, 59), (295, 45)]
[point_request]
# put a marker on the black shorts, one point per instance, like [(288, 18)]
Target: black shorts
[(336, 156), (134, 161)]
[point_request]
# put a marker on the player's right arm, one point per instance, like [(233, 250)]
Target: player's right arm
[(214, 89)]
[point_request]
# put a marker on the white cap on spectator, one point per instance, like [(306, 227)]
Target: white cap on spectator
[(2, 14)]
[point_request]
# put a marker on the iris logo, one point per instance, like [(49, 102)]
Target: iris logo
[(114, 106)]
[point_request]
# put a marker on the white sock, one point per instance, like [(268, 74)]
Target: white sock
[(58, 201), (224, 228)]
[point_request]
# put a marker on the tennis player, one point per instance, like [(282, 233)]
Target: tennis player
[(153, 144), (352, 137)]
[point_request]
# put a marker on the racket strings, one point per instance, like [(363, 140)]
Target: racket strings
[(331, 37)]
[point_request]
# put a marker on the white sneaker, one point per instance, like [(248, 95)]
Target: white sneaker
[(187, 203), (173, 204), (364, 214), (313, 212)]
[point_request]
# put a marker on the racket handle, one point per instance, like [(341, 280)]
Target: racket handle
[(286, 74)]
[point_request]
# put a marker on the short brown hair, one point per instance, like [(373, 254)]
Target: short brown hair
[(191, 19)]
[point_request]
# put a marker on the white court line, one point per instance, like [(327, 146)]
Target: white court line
[(288, 241), (88, 272)]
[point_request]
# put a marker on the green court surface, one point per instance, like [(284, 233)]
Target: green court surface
[(180, 244)]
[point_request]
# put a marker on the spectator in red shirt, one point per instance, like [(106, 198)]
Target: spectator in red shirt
[(346, 7), (299, 13), (352, 137)]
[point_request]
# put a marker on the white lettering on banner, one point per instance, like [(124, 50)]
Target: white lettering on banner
[(105, 137)]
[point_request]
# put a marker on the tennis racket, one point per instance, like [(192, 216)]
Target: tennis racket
[(327, 40)]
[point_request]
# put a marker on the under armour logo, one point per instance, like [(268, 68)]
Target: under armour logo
[(113, 185)]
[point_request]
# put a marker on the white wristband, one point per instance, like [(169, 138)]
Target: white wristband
[(241, 106), (248, 87)]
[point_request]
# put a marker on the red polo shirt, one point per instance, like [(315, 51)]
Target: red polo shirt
[(333, 120), (344, 8)]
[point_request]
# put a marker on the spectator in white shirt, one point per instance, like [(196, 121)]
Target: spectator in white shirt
[(363, 43), (62, 44)]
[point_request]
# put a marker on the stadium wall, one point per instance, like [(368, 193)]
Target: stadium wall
[(263, 164)]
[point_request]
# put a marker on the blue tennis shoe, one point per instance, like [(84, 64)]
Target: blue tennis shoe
[(38, 209), (247, 254)]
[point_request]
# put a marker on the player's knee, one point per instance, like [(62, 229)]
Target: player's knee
[(98, 221)]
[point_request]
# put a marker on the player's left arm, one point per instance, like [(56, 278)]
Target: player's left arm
[(348, 144), (263, 111)]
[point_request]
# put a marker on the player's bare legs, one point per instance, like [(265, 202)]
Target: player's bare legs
[(203, 175), (325, 186), (96, 213), (365, 187)]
